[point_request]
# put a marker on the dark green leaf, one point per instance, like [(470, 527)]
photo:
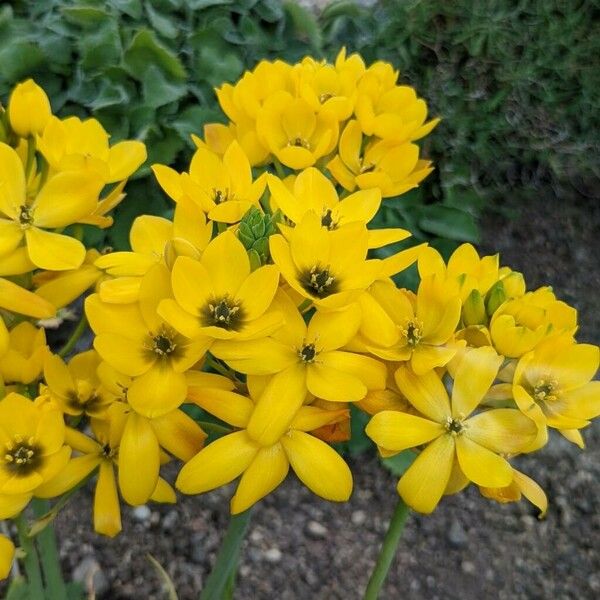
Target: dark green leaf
[(449, 222)]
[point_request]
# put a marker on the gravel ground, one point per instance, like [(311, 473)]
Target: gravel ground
[(299, 546)]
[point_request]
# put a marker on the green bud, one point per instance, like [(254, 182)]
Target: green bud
[(495, 297), (473, 311), (255, 261)]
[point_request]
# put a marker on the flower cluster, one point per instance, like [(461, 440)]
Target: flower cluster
[(234, 336)]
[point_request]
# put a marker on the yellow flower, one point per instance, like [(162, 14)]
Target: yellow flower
[(294, 133), (330, 268), (302, 358), (390, 111), (312, 191), (221, 299), (154, 240), (521, 485), (519, 325), (75, 388), (28, 109), (263, 466), (64, 199), (72, 145), (7, 554), (450, 432), (223, 188), (397, 326), (23, 361), (392, 167), (327, 87), (553, 386), (135, 341), (32, 438)]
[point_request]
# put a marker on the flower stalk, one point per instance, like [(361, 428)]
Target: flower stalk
[(388, 551), (31, 561), (227, 558)]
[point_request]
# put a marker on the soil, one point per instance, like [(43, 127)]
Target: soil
[(299, 546)]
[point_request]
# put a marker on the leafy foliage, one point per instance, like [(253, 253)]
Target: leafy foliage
[(515, 83)]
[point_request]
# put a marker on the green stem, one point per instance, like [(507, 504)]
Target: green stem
[(48, 546), (227, 557), (35, 584), (77, 333), (388, 551), (279, 168)]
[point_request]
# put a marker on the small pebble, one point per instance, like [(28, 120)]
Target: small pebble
[(359, 517), (141, 513), (457, 536), (90, 575), (272, 555), (170, 520), (468, 567), (315, 530)]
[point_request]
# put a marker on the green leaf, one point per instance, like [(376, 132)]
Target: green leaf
[(132, 8), (101, 46), (158, 90), (305, 24), (146, 50), (449, 222), (192, 120), (19, 59), (161, 23), (399, 463), (85, 16)]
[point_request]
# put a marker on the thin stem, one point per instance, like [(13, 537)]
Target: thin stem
[(48, 546), (279, 168), (388, 551), (32, 564), (77, 333), (227, 557)]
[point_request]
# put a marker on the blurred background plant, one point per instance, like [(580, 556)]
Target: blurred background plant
[(515, 82)]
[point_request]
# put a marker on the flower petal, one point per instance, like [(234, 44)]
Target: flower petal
[(268, 469), (398, 431), (139, 460), (217, 464), (53, 251), (107, 511), (318, 466), (474, 376), (425, 392), (425, 481), (158, 391), (502, 430), (482, 466)]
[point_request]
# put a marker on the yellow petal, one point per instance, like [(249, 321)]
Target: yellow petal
[(532, 491), (425, 358), (331, 384), (332, 330), (502, 430), (163, 493), (158, 391), (277, 406), (11, 235), (474, 376), (228, 277), (124, 159), (398, 431), (228, 406), (257, 291), (217, 464), (318, 466), (268, 469), (7, 554), (192, 285), (53, 251), (169, 180), (139, 460), (425, 481), (12, 181), (179, 434), (77, 470), (107, 511), (11, 505), (482, 466), (425, 392), (312, 417), (65, 198), (122, 353), (17, 299), (370, 371)]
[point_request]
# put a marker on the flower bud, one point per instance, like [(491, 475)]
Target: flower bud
[(254, 231), (495, 297), (514, 285), (28, 109), (473, 311)]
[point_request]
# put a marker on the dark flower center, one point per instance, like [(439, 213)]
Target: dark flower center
[(25, 216), (319, 281), (299, 142), (22, 457), (224, 313), (308, 353), (454, 426), (327, 220)]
